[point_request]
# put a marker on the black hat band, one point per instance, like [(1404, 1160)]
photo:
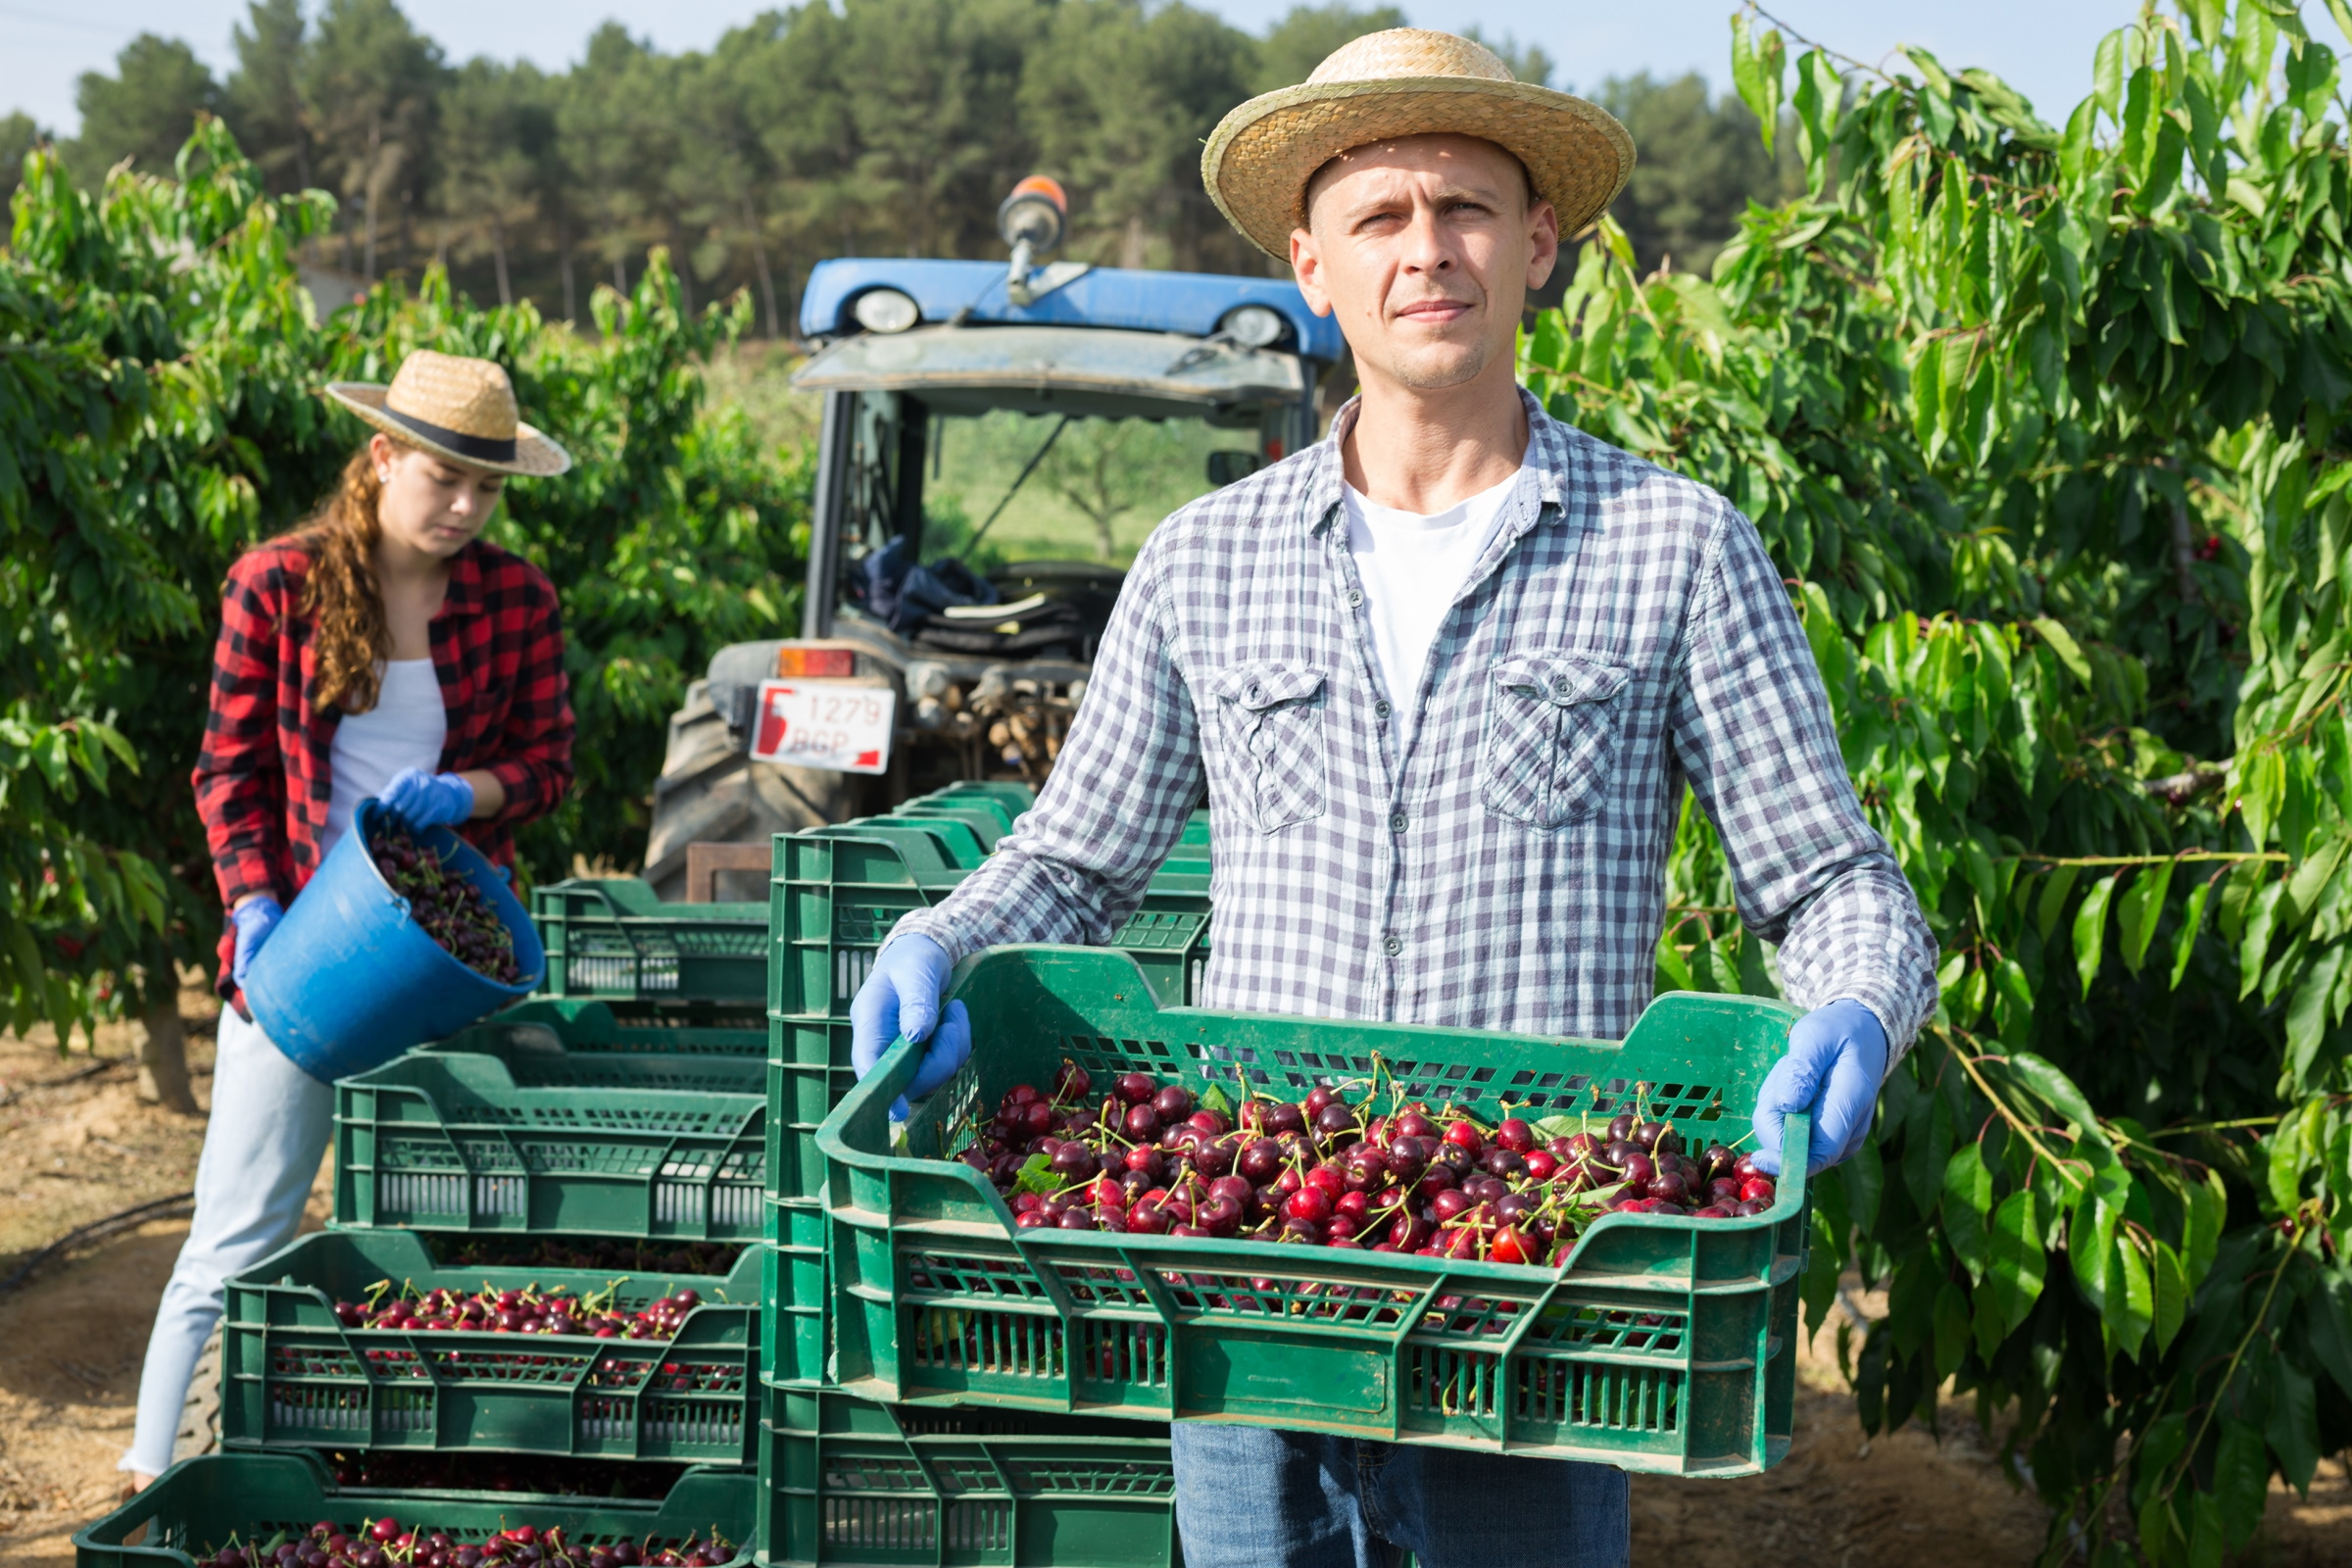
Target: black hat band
[(481, 448)]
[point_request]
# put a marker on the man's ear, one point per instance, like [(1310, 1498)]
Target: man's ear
[(1306, 266), (1543, 244)]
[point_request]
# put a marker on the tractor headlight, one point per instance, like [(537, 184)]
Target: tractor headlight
[(1253, 326), (886, 310)]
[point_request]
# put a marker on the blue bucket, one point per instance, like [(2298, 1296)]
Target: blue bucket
[(348, 981)]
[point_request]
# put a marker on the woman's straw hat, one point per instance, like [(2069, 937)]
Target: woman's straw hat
[(1408, 81), (458, 409)]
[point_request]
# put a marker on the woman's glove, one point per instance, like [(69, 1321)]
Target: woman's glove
[(428, 800), (902, 997), (253, 919), (1837, 1058)]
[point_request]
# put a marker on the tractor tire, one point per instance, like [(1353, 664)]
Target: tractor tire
[(711, 792), (200, 1412)]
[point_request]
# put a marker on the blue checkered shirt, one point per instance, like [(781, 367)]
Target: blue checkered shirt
[(1623, 633)]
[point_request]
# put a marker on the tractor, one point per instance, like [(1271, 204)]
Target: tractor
[(945, 387)]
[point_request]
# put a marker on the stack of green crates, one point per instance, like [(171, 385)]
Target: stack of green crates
[(850, 1479)]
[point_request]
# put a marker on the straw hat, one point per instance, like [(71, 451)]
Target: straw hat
[(1408, 81), (458, 409)]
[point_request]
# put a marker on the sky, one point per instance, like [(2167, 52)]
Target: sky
[(2041, 47)]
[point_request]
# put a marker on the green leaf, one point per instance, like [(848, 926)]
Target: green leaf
[(2184, 942), (2327, 1325), (2107, 74), (2291, 1156), (2131, 1306), (1951, 1328), (2208, 1205), (2055, 1089), (2138, 911), (2294, 1426), (2013, 1275), (1967, 1202), (2091, 931), (1214, 1098), (2171, 1296), (1037, 1175), (1756, 73), (2091, 1252), (2307, 1014), (2053, 898), (2070, 653), (2241, 1480)]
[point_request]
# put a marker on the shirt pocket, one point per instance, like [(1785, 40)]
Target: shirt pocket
[(1271, 716), (1552, 737)]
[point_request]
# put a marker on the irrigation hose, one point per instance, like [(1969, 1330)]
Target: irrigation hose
[(136, 1214)]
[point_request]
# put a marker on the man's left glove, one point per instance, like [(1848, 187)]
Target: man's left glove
[(1837, 1058), (428, 800)]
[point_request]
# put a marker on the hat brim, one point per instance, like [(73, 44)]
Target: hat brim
[(1260, 157), (536, 456)]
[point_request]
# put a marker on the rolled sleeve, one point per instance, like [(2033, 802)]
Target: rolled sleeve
[(1753, 733)]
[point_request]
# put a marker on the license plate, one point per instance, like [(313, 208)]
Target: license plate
[(821, 724)]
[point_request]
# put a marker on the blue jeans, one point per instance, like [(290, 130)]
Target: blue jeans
[(1252, 1497)]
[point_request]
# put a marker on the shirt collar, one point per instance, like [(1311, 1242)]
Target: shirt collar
[(463, 595), (1547, 453)]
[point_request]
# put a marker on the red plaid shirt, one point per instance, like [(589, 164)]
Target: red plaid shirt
[(264, 778)]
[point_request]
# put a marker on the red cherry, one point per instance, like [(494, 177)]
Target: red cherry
[(1515, 1135), (1463, 1135), (1756, 1190)]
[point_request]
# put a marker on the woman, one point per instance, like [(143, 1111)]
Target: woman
[(381, 648)]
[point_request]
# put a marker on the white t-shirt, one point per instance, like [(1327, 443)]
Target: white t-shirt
[(1411, 568), (404, 730)]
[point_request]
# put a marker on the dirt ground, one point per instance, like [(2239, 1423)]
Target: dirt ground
[(70, 1341)]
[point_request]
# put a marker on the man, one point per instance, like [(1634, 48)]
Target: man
[(1445, 675)]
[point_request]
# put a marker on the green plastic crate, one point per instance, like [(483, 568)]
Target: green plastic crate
[(837, 895), (846, 1479), (1665, 1344), (838, 891), (196, 1506), (615, 937), (294, 1376), (518, 1134), (544, 1023)]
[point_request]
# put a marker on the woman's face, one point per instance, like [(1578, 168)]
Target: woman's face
[(431, 504)]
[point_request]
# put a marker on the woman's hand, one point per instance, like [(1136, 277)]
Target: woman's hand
[(429, 799), (255, 918)]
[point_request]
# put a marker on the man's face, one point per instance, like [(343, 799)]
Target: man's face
[(1424, 250)]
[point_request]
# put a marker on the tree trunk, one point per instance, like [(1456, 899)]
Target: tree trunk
[(571, 303), (498, 256), (1134, 247), (163, 1055), (2185, 556), (767, 281), (621, 274)]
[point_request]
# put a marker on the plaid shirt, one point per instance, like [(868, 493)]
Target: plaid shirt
[(1623, 632), (264, 778)]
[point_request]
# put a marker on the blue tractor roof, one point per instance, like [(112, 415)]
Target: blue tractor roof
[(1103, 296)]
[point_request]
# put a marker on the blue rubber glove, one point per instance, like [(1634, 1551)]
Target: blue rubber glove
[(902, 997), (428, 800), (253, 919), (1837, 1059)]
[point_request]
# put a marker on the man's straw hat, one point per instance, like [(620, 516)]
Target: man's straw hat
[(458, 409), (1408, 81)]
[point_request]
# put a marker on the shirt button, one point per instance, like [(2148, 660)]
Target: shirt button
[(1396, 821), (1355, 596), (1381, 709), (1559, 686), (1393, 945)]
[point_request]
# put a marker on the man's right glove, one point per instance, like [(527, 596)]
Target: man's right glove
[(902, 997), (253, 919)]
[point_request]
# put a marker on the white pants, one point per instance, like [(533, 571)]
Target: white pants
[(268, 1128)]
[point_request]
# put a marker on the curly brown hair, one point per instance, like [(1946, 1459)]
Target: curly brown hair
[(340, 593)]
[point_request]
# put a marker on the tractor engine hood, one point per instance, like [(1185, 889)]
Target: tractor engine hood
[(1068, 370)]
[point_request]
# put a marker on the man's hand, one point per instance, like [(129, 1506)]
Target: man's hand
[(902, 997), (254, 919), (428, 800), (1836, 1058)]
